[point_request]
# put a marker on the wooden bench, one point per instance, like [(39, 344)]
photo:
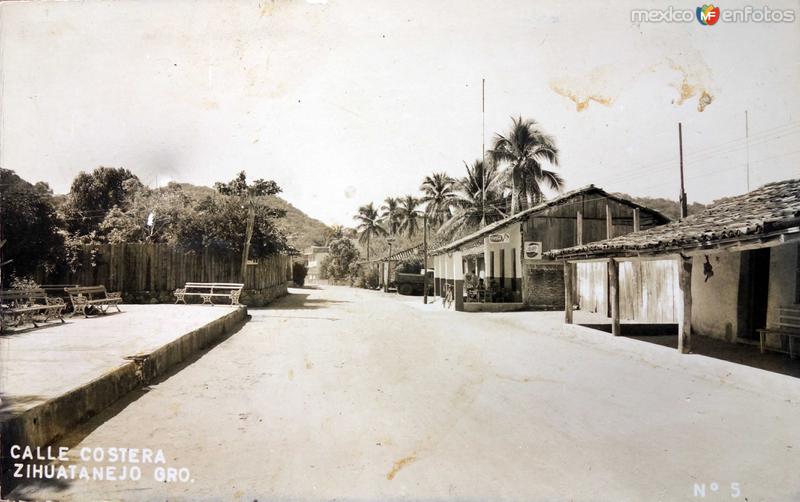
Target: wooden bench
[(788, 326), (210, 290), (85, 298), (33, 305)]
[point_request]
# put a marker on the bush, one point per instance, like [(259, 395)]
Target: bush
[(371, 278), (23, 283), (299, 272), (409, 266)]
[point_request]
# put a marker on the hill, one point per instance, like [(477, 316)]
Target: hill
[(667, 207), (301, 230)]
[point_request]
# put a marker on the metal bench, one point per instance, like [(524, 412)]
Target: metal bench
[(85, 298), (210, 290), (33, 305), (788, 326)]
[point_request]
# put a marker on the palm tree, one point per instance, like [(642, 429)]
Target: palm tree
[(479, 199), (368, 225), (438, 194), (334, 233), (524, 149), (389, 214), (409, 214)]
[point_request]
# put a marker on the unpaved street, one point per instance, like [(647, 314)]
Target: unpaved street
[(352, 394)]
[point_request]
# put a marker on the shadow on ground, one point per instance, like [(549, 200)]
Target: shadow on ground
[(298, 301), (666, 335)]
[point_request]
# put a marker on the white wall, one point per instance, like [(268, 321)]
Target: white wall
[(715, 303)]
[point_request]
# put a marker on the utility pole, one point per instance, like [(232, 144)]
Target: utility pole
[(684, 205), (425, 258), (747, 147), (251, 217), (483, 151), (483, 119)]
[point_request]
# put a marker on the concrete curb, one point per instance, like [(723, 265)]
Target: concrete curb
[(45, 423)]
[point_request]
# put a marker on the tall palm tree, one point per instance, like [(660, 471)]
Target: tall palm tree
[(409, 214), (438, 194), (523, 150), (389, 214), (479, 199), (368, 225)]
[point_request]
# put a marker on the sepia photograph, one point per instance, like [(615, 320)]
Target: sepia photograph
[(382, 250)]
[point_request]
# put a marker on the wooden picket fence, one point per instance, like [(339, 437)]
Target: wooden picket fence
[(158, 269)]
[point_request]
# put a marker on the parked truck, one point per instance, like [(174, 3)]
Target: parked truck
[(412, 284)]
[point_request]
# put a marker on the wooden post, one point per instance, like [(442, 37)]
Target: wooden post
[(609, 223), (636, 222), (685, 305), (568, 292), (579, 224), (613, 292)]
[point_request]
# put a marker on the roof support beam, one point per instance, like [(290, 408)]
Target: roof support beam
[(613, 296), (609, 222), (579, 224), (568, 293), (636, 220)]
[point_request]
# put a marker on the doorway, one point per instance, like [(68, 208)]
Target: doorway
[(754, 292)]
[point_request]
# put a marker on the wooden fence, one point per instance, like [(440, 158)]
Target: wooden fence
[(647, 289), (158, 269)]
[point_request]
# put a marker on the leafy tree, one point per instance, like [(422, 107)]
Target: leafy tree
[(368, 225), (478, 199), (299, 272), (216, 222), (341, 260), (248, 194), (438, 195), (409, 214), (94, 194), (523, 150), (30, 227), (151, 216)]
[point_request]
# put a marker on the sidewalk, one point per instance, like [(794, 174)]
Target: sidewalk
[(54, 377)]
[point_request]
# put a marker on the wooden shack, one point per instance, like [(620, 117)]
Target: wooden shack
[(504, 263), (731, 271)]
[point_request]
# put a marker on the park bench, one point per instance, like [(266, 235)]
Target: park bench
[(210, 290), (33, 305), (85, 298), (788, 326)]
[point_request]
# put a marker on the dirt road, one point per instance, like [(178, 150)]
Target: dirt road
[(350, 394)]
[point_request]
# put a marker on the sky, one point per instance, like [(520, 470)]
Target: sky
[(346, 102)]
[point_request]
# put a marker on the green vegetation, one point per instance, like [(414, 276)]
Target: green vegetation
[(111, 205), (30, 227)]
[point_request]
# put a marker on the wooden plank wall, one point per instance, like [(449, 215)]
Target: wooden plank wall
[(134, 268), (647, 289), (556, 227)]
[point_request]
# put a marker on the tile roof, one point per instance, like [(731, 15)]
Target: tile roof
[(773, 208), (588, 189)]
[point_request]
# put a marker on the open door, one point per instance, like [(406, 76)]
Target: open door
[(753, 292)]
